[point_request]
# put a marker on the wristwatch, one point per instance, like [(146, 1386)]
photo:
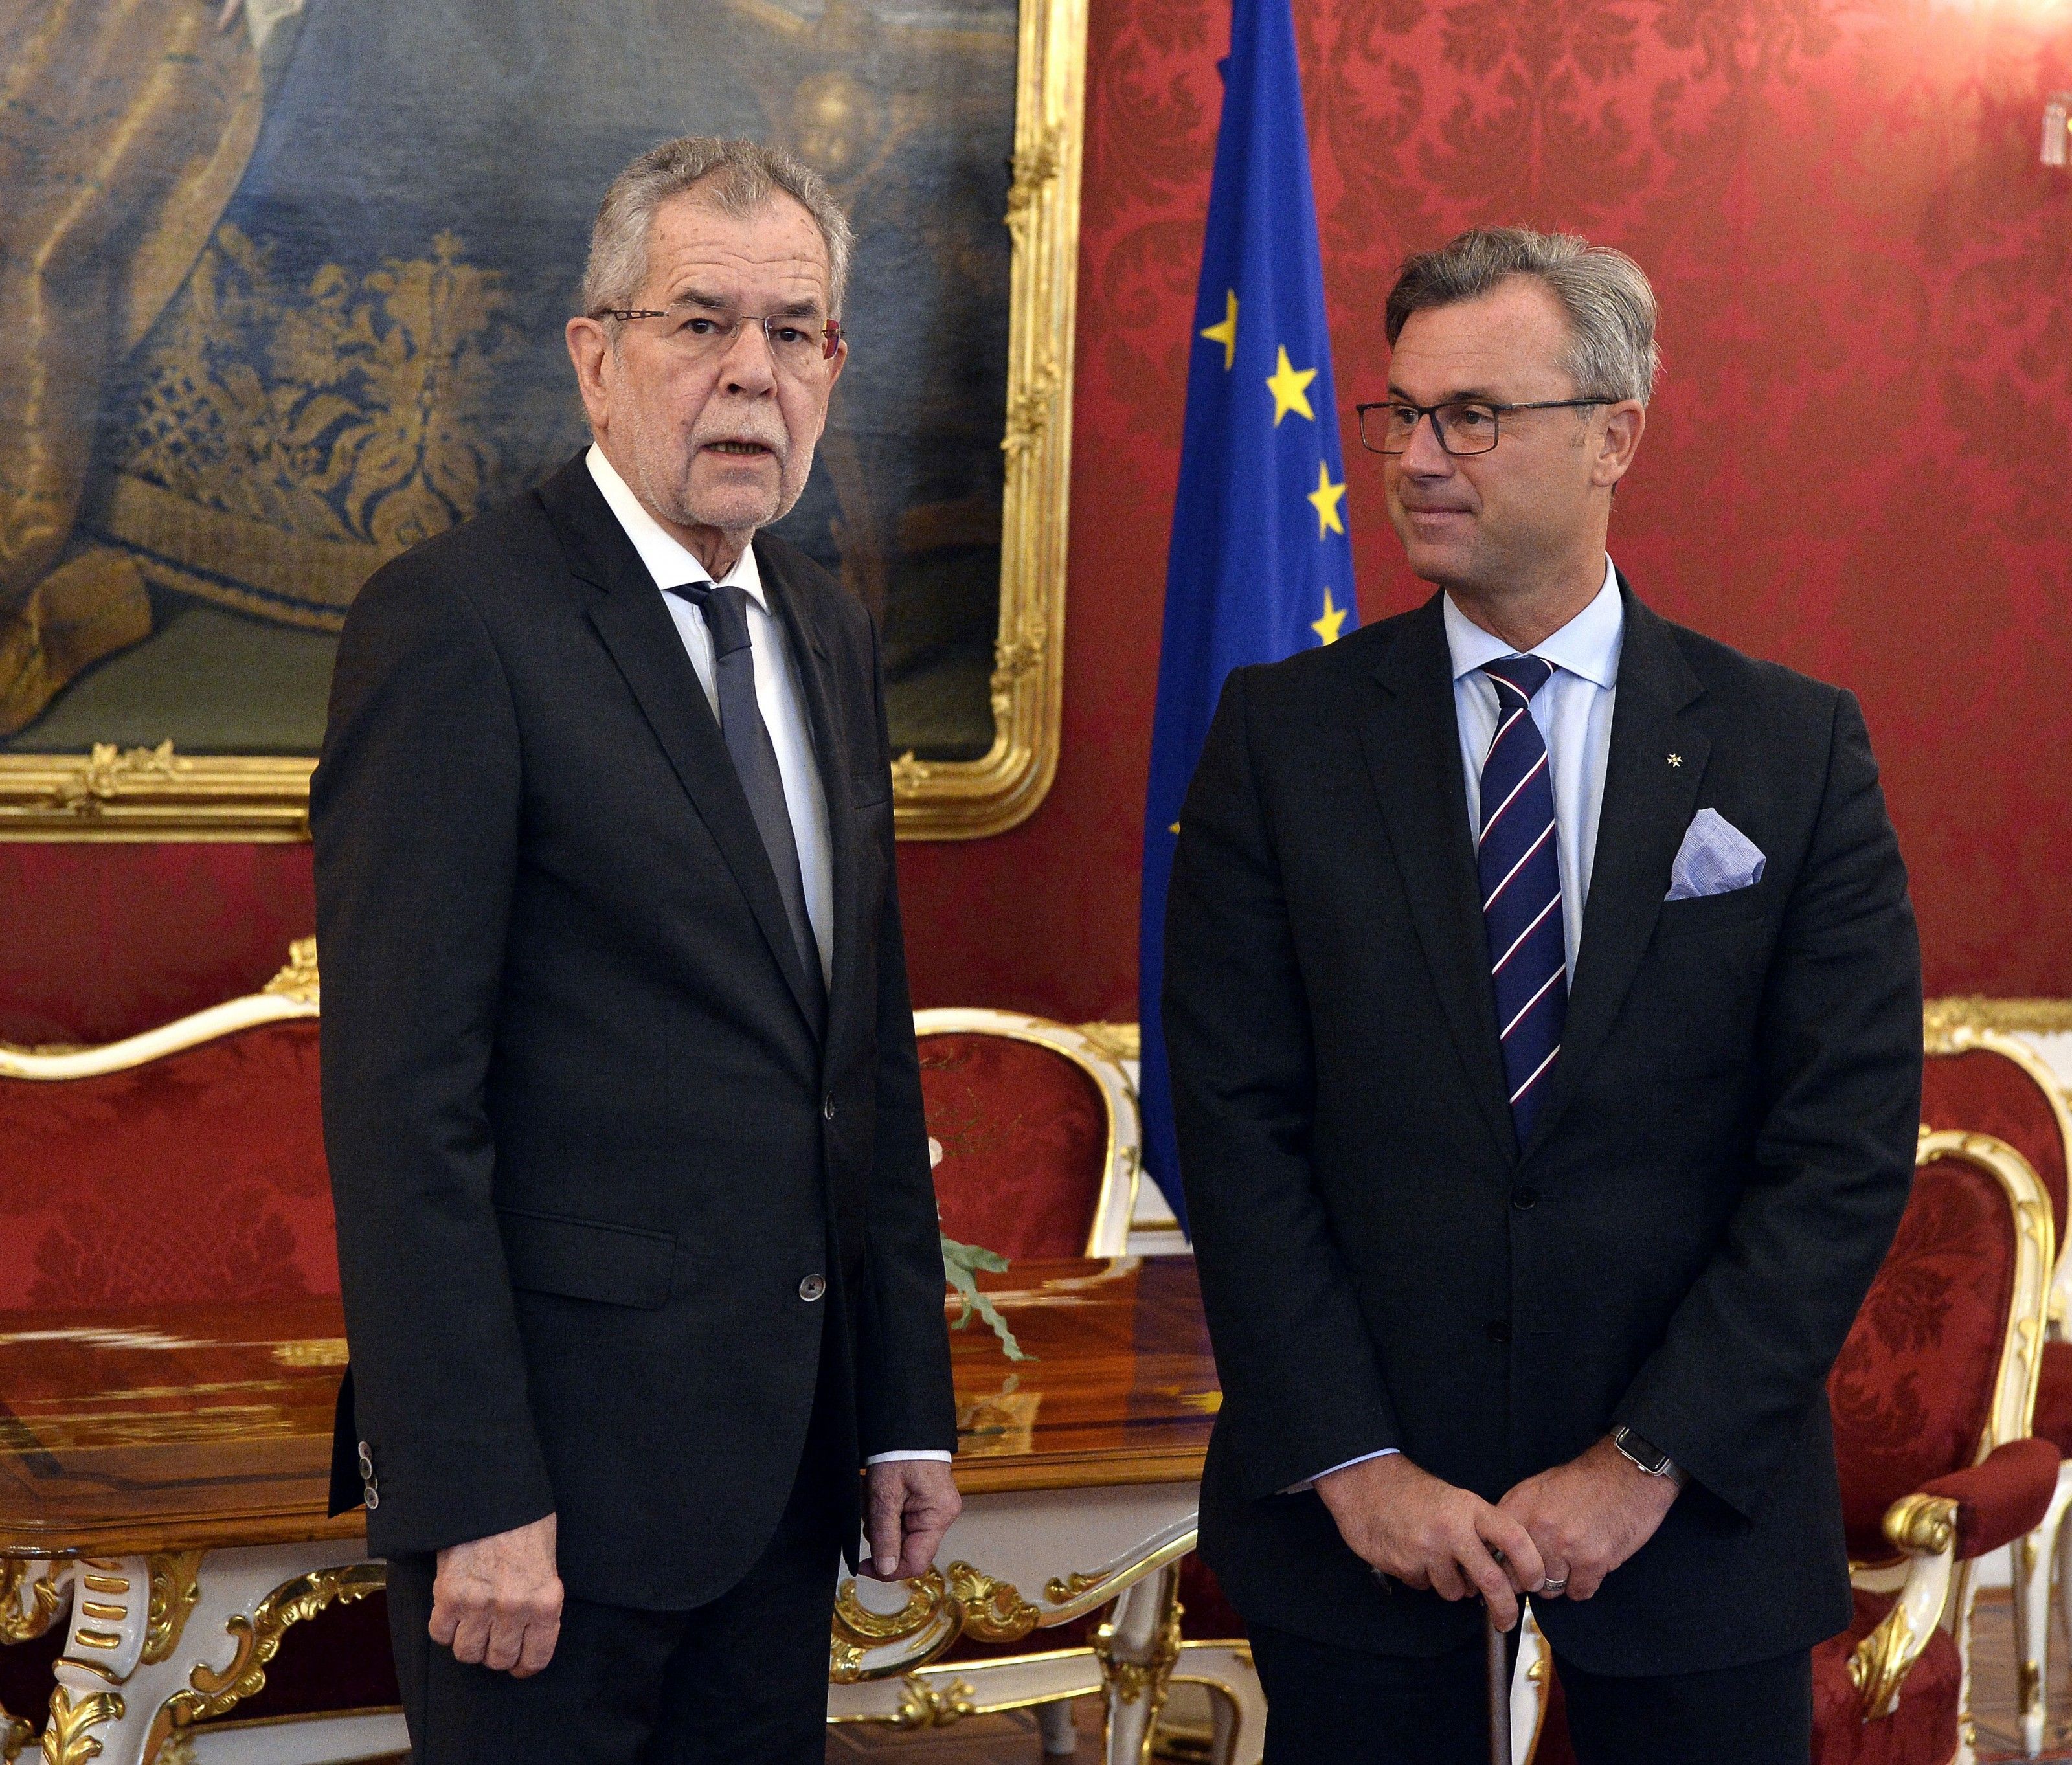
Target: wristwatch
[(1645, 1454)]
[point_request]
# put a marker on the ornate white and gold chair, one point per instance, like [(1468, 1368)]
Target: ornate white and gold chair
[(1981, 1075), (1932, 1400), (179, 1169)]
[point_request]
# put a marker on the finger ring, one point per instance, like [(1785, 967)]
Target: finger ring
[(1555, 1587)]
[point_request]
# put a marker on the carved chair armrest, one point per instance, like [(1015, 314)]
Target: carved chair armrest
[(2000, 1500), (1924, 1527), (1954, 1517)]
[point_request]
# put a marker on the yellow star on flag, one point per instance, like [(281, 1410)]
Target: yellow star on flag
[(1326, 628), (1226, 333), (1326, 499), (1290, 389)]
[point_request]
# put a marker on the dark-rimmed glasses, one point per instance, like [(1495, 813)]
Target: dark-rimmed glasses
[(1462, 425), (796, 340)]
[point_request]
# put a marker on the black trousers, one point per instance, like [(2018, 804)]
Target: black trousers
[(1345, 1706), (742, 1680)]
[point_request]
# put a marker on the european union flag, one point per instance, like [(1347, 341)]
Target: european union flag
[(1262, 565)]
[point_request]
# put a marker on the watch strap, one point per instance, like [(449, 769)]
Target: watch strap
[(1644, 1453)]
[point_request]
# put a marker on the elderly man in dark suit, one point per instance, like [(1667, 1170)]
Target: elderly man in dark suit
[(636, 1222), (1543, 1002)]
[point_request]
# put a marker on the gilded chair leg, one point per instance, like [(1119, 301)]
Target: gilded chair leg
[(2034, 1556), (1963, 1597), (1061, 1736), (1137, 1648)]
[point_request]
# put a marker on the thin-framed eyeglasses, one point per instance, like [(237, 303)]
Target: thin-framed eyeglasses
[(796, 339), (1462, 425)]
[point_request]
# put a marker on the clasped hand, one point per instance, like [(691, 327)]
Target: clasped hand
[(1569, 1527)]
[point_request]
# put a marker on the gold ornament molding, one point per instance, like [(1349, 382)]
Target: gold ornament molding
[(922, 1706), (299, 980), (858, 1629), (176, 1587), (68, 1738), (942, 1607), (994, 1611), (258, 1639), (44, 1584), (1134, 1680), (1946, 1019), (15, 1734), (160, 793)]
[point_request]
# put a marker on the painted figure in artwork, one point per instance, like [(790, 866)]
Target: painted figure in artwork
[(278, 274)]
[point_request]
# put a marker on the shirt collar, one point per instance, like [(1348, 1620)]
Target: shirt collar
[(1588, 645), (668, 560)]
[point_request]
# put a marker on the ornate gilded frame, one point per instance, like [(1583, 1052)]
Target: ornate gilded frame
[(158, 794)]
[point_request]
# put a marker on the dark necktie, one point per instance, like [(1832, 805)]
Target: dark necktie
[(724, 605), (1518, 855)]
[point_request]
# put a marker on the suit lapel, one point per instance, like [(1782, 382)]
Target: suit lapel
[(1647, 806), (643, 639), (809, 646), (1412, 739)]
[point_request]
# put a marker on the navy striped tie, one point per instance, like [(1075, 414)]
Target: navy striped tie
[(1518, 855)]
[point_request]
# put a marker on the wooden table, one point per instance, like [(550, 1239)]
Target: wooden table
[(163, 1478)]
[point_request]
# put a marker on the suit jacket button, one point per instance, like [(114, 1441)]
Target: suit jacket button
[(366, 1462), (828, 1106), (1499, 1332), (373, 1495), (813, 1287), (1524, 1198)]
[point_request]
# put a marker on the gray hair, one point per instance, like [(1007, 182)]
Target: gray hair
[(738, 177), (1604, 293)]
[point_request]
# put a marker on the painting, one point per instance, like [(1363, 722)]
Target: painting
[(285, 283)]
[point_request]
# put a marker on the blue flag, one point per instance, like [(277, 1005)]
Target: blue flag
[(1262, 565)]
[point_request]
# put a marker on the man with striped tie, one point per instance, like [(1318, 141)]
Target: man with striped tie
[(1543, 1003)]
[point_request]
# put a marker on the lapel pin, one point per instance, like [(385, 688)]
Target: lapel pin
[(1676, 759)]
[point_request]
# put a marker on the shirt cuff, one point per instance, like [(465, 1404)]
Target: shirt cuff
[(933, 1452), (1303, 1488)]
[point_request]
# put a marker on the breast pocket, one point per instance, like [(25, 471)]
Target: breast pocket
[(1748, 905)]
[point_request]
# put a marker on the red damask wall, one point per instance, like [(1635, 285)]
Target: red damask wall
[(1857, 463)]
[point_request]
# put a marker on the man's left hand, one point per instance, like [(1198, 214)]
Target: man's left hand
[(908, 1505), (1590, 1516)]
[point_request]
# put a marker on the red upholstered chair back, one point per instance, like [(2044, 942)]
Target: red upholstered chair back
[(1036, 1127), (183, 1166), (1935, 1373), (1977, 1080)]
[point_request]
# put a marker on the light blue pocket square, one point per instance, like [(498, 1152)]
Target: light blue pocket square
[(1715, 858)]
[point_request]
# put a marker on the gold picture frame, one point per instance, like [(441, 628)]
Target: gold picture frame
[(113, 793)]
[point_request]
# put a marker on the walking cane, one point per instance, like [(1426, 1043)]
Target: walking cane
[(1498, 1659)]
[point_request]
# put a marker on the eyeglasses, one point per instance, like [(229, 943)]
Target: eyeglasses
[(1462, 425), (705, 333)]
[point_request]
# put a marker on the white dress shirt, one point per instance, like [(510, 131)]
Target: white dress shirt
[(1574, 712), (777, 695)]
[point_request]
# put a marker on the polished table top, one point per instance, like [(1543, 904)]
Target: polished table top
[(128, 1431)]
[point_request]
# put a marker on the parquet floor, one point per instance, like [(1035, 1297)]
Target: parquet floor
[(1993, 1683)]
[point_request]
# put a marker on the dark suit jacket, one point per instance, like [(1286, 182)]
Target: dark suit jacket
[(1724, 1153), (584, 1142)]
